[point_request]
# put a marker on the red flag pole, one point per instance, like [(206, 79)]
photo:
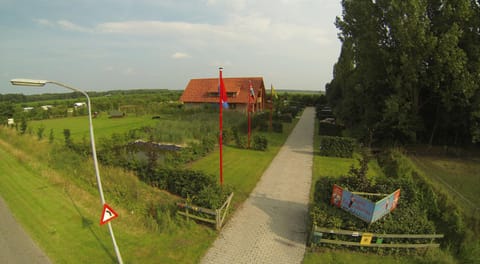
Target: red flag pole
[(271, 106), (249, 109), (220, 138)]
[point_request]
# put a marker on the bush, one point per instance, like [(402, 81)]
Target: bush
[(260, 143), (212, 196), (277, 127), (287, 118), (202, 188), (337, 146), (329, 129)]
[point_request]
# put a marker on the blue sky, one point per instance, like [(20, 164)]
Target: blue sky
[(131, 44)]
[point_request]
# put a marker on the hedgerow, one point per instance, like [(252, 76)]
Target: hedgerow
[(337, 146)]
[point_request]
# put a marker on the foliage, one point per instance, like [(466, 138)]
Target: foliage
[(67, 137), (337, 146), (422, 208), (277, 127), (287, 118), (23, 126), (408, 71), (212, 196), (7, 110), (260, 142), (197, 185), (329, 129), (51, 137), (40, 131)]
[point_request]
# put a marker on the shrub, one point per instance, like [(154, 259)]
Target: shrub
[(337, 146), (260, 143), (329, 129), (287, 118), (240, 140), (277, 127), (179, 181), (212, 196)]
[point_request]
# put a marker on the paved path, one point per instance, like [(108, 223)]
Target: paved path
[(16, 247), (270, 227)]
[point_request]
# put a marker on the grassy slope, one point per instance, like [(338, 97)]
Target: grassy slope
[(448, 172), (64, 219)]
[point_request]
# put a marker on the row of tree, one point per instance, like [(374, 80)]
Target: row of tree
[(409, 71), (131, 101)]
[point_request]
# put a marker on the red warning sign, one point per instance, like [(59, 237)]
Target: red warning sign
[(108, 214)]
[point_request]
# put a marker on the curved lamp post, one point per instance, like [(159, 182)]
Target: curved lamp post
[(39, 83)]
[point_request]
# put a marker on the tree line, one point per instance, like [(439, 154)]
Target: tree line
[(408, 71)]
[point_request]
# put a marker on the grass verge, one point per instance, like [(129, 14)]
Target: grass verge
[(63, 218)]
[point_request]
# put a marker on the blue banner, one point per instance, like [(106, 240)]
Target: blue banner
[(362, 207)]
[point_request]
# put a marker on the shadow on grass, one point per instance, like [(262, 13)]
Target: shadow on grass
[(87, 223)]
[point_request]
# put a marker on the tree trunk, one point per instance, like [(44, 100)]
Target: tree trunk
[(435, 125)]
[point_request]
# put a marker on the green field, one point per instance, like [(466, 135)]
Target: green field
[(79, 128), (458, 176)]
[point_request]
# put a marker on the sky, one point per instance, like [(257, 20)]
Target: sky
[(101, 45)]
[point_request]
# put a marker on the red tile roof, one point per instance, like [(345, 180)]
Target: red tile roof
[(206, 90)]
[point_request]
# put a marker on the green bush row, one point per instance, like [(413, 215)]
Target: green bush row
[(201, 188), (329, 129), (337, 146)]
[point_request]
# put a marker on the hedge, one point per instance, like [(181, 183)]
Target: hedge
[(337, 146), (329, 129)]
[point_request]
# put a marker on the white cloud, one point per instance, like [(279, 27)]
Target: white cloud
[(43, 22), (67, 25), (63, 24), (180, 55)]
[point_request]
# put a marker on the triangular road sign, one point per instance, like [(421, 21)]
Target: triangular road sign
[(107, 214)]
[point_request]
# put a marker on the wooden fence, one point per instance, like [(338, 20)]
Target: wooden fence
[(365, 239), (213, 216)]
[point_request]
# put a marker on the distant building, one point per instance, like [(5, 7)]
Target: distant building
[(10, 122), (205, 91), (46, 107), (27, 109), (79, 105)]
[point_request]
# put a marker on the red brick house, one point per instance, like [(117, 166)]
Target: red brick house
[(205, 91)]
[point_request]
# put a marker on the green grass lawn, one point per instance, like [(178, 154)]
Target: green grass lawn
[(79, 128), (243, 168), (460, 177)]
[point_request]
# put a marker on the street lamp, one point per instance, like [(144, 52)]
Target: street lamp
[(39, 83)]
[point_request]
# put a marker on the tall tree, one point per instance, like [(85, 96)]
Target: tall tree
[(409, 70)]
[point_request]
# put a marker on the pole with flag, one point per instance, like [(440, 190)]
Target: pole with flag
[(222, 102), (272, 95), (251, 98)]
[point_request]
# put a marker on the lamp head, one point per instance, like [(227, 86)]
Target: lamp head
[(28, 82)]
